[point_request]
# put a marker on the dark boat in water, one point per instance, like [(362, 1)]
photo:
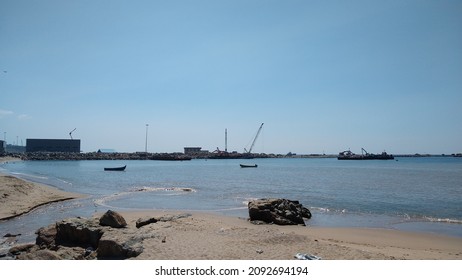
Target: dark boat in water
[(348, 155), (122, 168), (247, 165)]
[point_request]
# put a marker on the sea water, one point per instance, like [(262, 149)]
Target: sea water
[(415, 194)]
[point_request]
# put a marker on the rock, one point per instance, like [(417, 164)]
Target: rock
[(78, 232), (112, 219), (16, 250), (46, 236), (11, 235), (170, 218), (88, 251), (146, 221), (278, 211), (39, 255), (119, 247), (71, 253)]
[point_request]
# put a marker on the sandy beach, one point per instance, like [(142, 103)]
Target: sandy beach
[(208, 236), (199, 236)]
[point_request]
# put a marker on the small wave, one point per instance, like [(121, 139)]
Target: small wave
[(24, 175), (103, 200), (115, 196), (167, 189), (247, 200), (64, 182), (320, 209), (421, 218), (443, 220)]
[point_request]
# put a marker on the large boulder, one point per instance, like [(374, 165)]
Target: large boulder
[(278, 211), (112, 219), (78, 232), (119, 247)]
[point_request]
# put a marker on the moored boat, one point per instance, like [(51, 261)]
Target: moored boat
[(248, 165), (122, 168)]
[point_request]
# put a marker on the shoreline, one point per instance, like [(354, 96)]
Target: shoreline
[(19, 196), (204, 235)]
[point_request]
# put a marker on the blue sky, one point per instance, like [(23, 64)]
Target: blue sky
[(324, 76)]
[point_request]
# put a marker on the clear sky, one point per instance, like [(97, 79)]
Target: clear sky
[(324, 76)]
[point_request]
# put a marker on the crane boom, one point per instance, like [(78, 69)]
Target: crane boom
[(70, 133), (255, 139)]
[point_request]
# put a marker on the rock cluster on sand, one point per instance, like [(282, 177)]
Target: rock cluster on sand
[(79, 238), (110, 237), (278, 211)]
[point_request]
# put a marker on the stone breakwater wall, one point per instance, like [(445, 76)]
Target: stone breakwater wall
[(102, 156), (145, 156)]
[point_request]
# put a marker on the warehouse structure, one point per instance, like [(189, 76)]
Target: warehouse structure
[(2, 147), (53, 145)]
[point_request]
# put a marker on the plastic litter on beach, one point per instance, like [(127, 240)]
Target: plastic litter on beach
[(301, 256)]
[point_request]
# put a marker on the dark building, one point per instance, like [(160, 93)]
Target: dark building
[(53, 145), (2, 147), (192, 150)]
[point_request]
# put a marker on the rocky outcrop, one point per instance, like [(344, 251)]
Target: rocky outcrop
[(85, 239), (78, 232), (278, 211), (80, 238)]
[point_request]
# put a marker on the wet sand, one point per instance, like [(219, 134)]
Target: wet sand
[(18, 196)]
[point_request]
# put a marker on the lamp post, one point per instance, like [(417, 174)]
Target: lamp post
[(146, 145)]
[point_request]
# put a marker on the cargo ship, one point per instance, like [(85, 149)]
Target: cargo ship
[(348, 155)]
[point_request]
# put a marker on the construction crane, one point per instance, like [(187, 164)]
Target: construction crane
[(70, 133), (254, 140)]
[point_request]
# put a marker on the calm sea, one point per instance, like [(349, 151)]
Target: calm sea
[(416, 194)]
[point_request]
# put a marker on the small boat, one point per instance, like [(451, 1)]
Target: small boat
[(247, 165), (122, 168)]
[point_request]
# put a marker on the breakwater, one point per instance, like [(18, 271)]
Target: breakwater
[(177, 156), (101, 156), (128, 156)]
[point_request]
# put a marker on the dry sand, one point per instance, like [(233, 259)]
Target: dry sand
[(214, 237), (208, 236)]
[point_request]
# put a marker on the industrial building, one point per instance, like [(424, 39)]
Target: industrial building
[(194, 151), (2, 147), (53, 145)]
